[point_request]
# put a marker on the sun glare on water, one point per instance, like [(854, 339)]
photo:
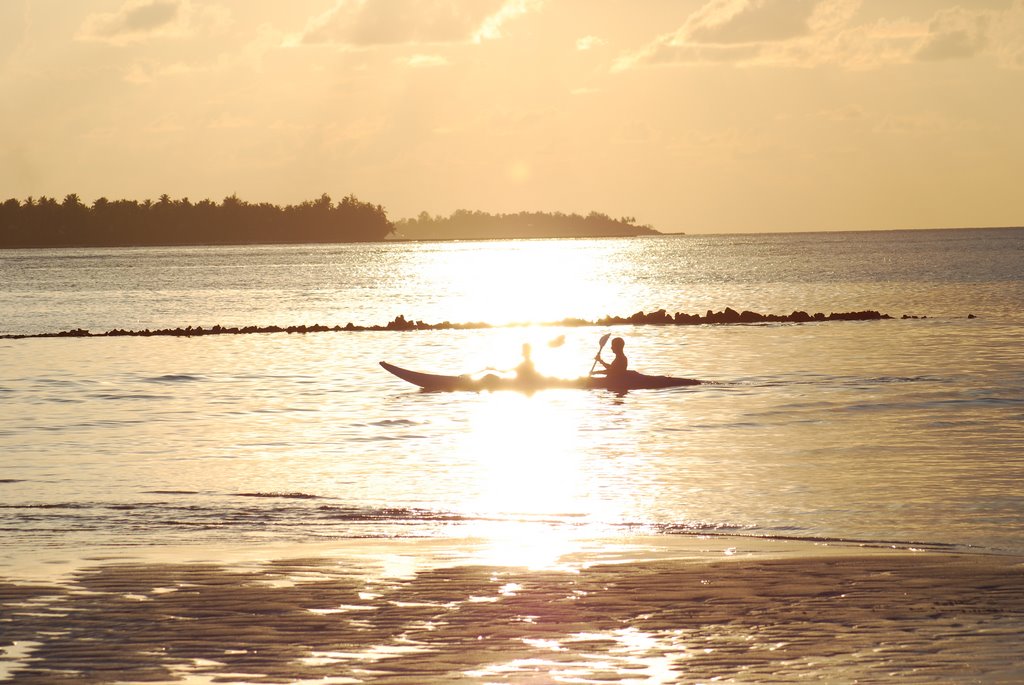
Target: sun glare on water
[(520, 281), (530, 466), (532, 487)]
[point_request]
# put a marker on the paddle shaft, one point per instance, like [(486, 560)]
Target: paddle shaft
[(604, 339)]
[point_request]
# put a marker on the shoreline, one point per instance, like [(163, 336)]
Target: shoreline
[(532, 547), (657, 235), (525, 609)]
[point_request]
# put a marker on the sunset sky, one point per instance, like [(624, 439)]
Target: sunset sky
[(690, 115)]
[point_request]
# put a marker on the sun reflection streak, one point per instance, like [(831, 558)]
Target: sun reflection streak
[(519, 281), (649, 657), (532, 493), (528, 451)]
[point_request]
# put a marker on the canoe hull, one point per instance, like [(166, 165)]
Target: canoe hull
[(440, 383)]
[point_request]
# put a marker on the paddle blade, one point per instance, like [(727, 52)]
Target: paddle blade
[(602, 341), (556, 342)]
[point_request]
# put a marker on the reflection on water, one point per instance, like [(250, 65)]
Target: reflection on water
[(527, 465), (517, 281), (885, 430), (656, 658), (935, 273), (879, 430), (528, 453)]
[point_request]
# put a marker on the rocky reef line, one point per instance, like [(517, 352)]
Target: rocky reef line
[(400, 323)]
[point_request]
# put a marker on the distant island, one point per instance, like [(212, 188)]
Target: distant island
[(45, 222), (474, 225)]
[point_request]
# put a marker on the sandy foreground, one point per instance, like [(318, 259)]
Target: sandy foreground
[(666, 609)]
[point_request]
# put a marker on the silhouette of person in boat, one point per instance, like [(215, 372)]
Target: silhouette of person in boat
[(526, 371), (616, 368)]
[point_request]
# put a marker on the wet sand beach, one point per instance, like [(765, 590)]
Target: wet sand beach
[(659, 610)]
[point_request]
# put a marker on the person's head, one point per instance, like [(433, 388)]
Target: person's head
[(527, 350), (617, 345)]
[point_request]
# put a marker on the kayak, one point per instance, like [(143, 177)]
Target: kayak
[(632, 380)]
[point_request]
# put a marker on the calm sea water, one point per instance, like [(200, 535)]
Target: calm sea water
[(906, 431)]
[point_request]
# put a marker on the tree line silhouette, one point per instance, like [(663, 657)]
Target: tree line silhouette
[(44, 222), (468, 225)]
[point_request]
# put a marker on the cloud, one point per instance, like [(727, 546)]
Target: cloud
[(809, 33), (747, 21), (492, 26), (424, 61), (141, 20), (151, 71), (731, 31), (365, 23), (249, 55), (1007, 37), (955, 34), (230, 122), (589, 43)]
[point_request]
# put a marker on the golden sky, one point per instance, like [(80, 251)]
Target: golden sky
[(691, 115)]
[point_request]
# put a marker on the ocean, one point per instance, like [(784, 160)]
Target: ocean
[(905, 433), (902, 430)]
